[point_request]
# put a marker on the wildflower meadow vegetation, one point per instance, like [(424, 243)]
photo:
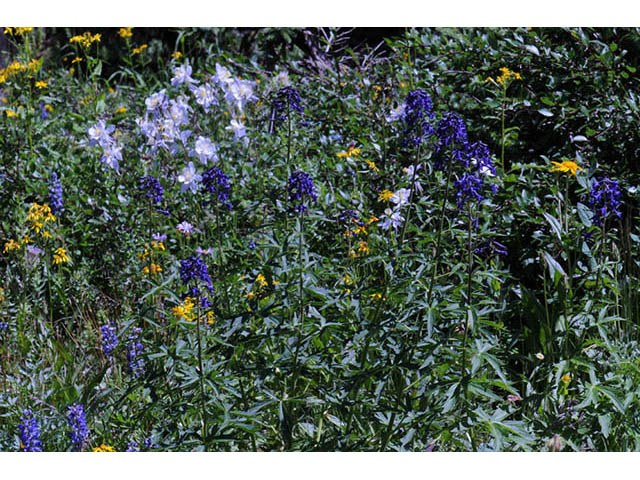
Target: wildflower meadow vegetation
[(319, 240)]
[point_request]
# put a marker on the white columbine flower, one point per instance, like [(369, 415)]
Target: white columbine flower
[(401, 197), (182, 75), (238, 128), (240, 92), (396, 114), (99, 134), (409, 171), (204, 96), (281, 80), (189, 178), (205, 150), (223, 76), (392, 218), (156, 102)]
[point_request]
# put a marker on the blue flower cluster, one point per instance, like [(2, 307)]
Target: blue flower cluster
[(152, 188), (109, 339), (416, 112), (217, 183), (55, 194), (287, 100), (604, 199), (134, 352), (194, 269), (468, 187), (300, 186), (29, 433), (77, 421)]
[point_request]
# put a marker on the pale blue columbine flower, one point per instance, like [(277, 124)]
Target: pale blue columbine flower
[(401, 197), (238, 128), (179, 111), (189, 178), (239, 93), (112, 156), (182, 75), (223, 76), (185, 228), (281, 80), (157, 102), (205, 96), (392, 218), (397, 113), (99, 134), (410, 171), (205, 150)]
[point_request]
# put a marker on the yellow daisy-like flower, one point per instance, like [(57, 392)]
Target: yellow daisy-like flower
[(76, 60), (184, 310), (1, 294), (139, 49), (351, 151), (125, 32), (104, 448), (155, 269), (566, 378), (11, 245), (376, 296), (372, 165), (41, 84), (385, 195), (363, 247), (10, 113), (567, 166), (86, 39), (176, 55), (48, 108), (60, 256), (121, 110), (507, 75)]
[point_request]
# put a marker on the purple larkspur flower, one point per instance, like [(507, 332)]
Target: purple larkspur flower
[(300, 187), (604, 200), (79, 433), (29, 433), (55, 194), (109, 338), (216, 183), (468, 187), (134, 352), (152, 188), (417, 112), (194, 269), (287, 100)]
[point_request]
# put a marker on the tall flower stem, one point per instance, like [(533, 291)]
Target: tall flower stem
[(201, 372), (301, 300), (502, 135), (439, 235), (413, 185)]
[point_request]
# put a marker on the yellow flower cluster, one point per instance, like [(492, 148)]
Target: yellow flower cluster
[(60, 256), (86, 39), (505, 76), (385, 195), (184, 310), (39, 216), (349, 153), (121, 110), (153, 268), (262, 283), (176, 55), (372, 165), (360, 226), (10, 114), (17, 31), (566, 167), (41, 84), (376, 296), (1, 294), (139, 49), (11, 245), (104, 448), (125, 32), (15, 68)]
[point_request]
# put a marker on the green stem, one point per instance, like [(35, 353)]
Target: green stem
[(201, 372)]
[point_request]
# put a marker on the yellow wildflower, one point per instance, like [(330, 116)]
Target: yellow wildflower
[(10, 113), (11, 245), (86, 39), (363, 247), (376, 296), (48, 108), (1, 294), (176, 55), (567, 166), (34, 64), (17, 31), (104, 448), (60, 256), (385, 195), (507, 75), (125, 32), (373, 218), (76, 60), (41, 84), (155, 269), (372, 165), (184, 310), (139, 49), (26, 239), (351, 151), (121, 110), (566, 378)]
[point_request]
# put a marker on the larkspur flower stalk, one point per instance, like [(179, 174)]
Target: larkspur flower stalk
[(29, 433), (79, 433), (134, 352), (55, 195), (193, 270), (109, 339)]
